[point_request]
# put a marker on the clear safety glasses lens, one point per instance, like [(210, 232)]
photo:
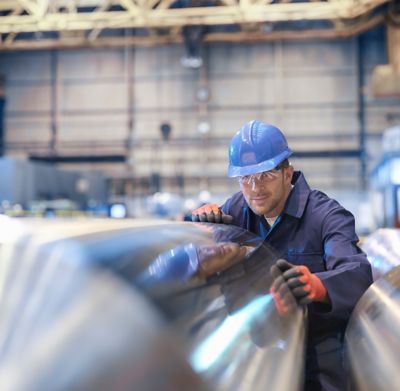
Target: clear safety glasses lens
[(261, 177)]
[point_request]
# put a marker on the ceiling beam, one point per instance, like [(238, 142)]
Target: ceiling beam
[(80, 22), (29, 6), (130, 6), (152, 40), (96, 31), (166, 18)]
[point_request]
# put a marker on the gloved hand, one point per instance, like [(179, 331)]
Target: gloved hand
[(211, 213), (304, 285), (283, 297)]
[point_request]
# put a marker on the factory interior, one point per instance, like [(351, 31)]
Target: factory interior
[(118, 121)]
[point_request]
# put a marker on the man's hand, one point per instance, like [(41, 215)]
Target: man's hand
[(304, 285), (211, 213), (285, 302)]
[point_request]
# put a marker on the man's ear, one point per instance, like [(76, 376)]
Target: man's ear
[(289, 173)]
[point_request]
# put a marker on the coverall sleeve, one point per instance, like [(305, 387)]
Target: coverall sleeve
[(348, 271), (235, 206)]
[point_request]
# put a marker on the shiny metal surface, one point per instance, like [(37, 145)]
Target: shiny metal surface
[(383, 250), (122, 305), (373, 336)]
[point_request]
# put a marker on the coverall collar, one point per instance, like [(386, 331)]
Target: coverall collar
[(298, 197)]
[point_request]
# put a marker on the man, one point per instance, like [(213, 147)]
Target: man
[(321, 266), (188, 261)]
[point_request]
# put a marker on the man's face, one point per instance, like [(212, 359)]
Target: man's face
[(266, 194), (216, 258)]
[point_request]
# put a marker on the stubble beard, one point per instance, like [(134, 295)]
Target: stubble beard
[(266, 209)]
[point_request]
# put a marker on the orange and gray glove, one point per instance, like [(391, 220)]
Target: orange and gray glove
[(211, 213), (284, 300), (305, 286)]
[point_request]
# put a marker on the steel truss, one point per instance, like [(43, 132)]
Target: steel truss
[(30, 24)]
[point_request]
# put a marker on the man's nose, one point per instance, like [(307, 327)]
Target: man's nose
[(256, 184)]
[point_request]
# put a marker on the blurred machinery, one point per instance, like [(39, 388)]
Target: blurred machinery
[(386, 78), (385, 181), (164, 204), (33, 184), (146, 305)]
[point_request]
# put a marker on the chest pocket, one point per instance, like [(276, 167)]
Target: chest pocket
[(313, 260)]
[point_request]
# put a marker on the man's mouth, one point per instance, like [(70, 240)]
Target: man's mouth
[(261, 197)]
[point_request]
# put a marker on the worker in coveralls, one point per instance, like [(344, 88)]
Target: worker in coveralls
[(321, 265)]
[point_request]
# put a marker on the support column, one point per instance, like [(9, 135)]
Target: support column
[(2, 108), (361, 110)]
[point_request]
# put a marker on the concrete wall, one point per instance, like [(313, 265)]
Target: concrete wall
[(99, 101)]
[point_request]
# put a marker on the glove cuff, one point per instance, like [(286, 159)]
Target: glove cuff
[(314, 287), (318, 291)]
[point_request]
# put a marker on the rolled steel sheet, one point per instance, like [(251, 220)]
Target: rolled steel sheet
[(373, 336), (383, 250), (122, 305)]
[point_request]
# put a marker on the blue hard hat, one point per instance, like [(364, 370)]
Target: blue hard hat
[(256, 147)]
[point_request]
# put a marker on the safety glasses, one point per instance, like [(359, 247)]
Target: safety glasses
[(260, 177)]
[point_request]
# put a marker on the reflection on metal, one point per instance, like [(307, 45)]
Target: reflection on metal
[(218, 343), (383, 250), (160, 21), (227, 350), (373, 336), (122, 305)]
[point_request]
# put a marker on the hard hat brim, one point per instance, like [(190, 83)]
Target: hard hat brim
[(267, 165)]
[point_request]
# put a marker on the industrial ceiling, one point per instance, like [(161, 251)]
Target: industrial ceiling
[(41, 24)]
